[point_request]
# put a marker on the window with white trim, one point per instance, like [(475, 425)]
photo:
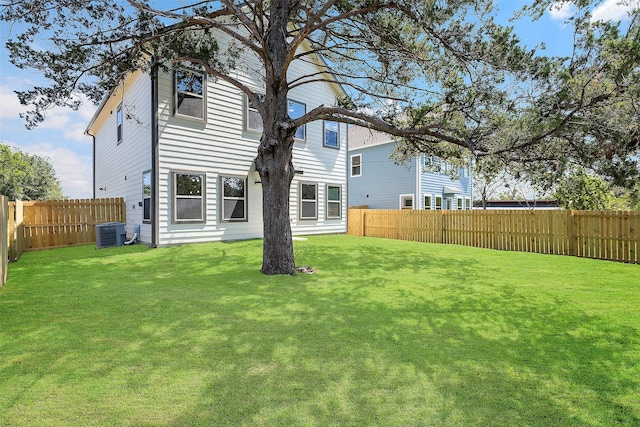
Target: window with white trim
[(253, 120), (428, 163), (331, 134), (459, 203), (119, 123), (296, 110), (234, 198), (356, 165), (146, 196), (468, 205), (449, 203), (406, 201), (188, 197), (190, 94), (334, 201), (308, 200), (427, 202), (438, 202)]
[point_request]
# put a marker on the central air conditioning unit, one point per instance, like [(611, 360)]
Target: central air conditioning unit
[(110, 234)]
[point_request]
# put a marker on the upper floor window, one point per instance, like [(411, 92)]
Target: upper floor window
[(146, 196), (119, 123), (428, 163), (188, 197), (331, 134), (190, 94), (296, 110), (234, 199), (253, 120), (356, 165), (334, 201)]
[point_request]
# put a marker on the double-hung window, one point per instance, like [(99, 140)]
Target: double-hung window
[(308, 200), (188, 197), (253, 120), (190, 94), (334, 202), (234, 198), (331, 134), (438, 202), (296, 110), (459, 203), (119, 123), (146, 196), (427, 202), (468, 203), (356, 165)]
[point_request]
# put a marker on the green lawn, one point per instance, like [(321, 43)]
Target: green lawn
[(385, 333)]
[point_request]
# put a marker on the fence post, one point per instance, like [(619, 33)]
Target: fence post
[(4, 240), (573, 233)]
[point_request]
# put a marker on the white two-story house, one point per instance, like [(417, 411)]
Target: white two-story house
[(180, 149)]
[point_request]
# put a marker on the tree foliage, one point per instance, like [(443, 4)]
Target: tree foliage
[(582, 191), (440, 76), (26, 177)]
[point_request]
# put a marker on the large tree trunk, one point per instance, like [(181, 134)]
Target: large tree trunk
[(276, 173)]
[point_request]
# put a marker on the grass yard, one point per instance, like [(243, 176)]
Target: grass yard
[(386, 333)]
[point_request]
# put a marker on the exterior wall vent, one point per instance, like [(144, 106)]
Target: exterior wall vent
[(110, 234)]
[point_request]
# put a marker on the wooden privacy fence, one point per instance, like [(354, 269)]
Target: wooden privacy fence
[(44, 224), (4, 239), (610, 235)]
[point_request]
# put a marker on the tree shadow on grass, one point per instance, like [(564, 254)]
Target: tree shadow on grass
[(383, 334)]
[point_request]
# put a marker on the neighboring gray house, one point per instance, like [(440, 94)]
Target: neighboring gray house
[(425, 182), (180, 148)]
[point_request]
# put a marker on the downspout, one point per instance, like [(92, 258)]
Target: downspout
[(155, 156), (93, 172)]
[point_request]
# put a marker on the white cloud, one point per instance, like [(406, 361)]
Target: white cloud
[(614, 10), (561, 10), (71, 123)]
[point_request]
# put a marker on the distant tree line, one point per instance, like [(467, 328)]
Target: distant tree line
[(27, 177)]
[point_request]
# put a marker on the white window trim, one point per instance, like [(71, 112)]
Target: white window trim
[(304, 127), (424, 198), (339, 202), (324, 134), (174, 197), (436, 203), (468, 204), (247, 110), (300, 200), (351, 165), (223, 198), (203, 97), (459, 203), (145, 197), (119, 124), (405, 196)]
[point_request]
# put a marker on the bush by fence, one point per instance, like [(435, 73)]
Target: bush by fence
[(610, 235), (44, 224)]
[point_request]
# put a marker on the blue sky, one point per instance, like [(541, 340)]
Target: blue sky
[(61, 137)]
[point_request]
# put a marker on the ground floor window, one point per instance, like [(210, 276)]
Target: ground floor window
[(468, 203), (188, 197), (438, 202), (234, 198), (406, 201), (334, 202), (459, 202), (427, 202), (308, 200), (146, 196)]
